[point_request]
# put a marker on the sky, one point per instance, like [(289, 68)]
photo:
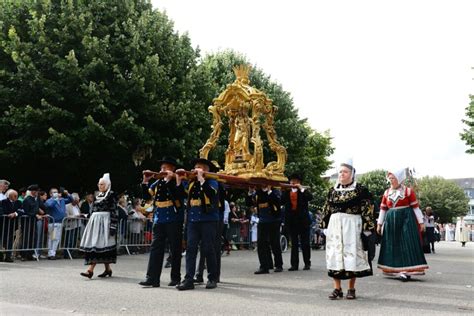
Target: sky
[(390, 80)]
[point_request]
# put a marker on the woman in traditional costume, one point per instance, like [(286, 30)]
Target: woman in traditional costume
[(347, 215), (400, 222), (99, 241)]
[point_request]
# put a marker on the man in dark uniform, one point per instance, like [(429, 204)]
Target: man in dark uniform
[(168, 194), (267, 201), (218, 244), (297, 220), (202, 218)]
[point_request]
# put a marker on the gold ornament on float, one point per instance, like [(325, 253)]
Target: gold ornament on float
[(245, 106)]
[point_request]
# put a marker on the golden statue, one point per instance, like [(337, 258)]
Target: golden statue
[(244, 106)]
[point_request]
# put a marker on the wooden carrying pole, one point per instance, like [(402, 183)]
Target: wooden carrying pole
[(232, 181)]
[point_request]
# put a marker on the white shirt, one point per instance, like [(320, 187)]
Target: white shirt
[(2, 197), (226, 212)]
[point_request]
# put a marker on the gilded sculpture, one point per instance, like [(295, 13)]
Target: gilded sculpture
[(245, 106)]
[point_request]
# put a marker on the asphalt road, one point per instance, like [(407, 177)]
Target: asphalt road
[(55, 288)]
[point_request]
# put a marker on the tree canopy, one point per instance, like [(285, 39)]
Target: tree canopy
[(90, 86), (445, 197), (376, 182), (468, 133)]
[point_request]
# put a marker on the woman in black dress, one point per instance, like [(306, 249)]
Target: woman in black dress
[(99, 241)]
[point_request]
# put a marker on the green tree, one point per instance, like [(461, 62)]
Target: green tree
[(445, 197), (376, 182), (468, 133), (308, 150), (94, 86)]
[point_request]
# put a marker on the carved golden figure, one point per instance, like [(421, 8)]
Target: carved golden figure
[(244, 106)]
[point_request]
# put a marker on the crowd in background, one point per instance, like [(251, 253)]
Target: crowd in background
[(43, 214)]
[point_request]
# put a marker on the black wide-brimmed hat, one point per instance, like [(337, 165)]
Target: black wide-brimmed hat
[(212, 167), (33, 187), (170, 160), (296, 176)]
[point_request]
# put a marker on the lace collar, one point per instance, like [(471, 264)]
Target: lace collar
[(397, 194)]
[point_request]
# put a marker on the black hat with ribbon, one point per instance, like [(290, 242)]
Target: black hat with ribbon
[(212, 167)]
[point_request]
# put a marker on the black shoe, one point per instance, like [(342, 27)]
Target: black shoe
[(337, 293), (307, 267), (105, 273), (8, 259), (149, 283), (198, 279), (173, 283), (50, 258), (186, 285), (351, 294), (261, 271), (87, 274), (279, 269), (293, 269), (211, 285)]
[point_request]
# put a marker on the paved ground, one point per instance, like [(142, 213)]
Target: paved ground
[(55, 288)]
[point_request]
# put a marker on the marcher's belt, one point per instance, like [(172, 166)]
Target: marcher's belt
[(262, 205), (195, 202), (162, 204)]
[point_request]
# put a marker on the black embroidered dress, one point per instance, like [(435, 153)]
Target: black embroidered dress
[(346, 214)]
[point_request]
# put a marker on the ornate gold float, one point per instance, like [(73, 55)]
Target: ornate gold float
[(245, 107)]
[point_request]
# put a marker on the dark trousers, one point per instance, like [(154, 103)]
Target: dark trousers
[(173, 233), (269, 241), (203, 234), (28, 228), (299, 235), (218, 245), (430, 233), (9, 227)]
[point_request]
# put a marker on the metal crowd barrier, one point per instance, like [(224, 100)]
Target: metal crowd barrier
[(239, 234), (131, 234), (134, 233), (24, 235), (72, 230)]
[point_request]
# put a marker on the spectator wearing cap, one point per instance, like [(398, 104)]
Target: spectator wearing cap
[(4, 184), (10, 208), (297, 220), (56, 208), (28, 224)]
